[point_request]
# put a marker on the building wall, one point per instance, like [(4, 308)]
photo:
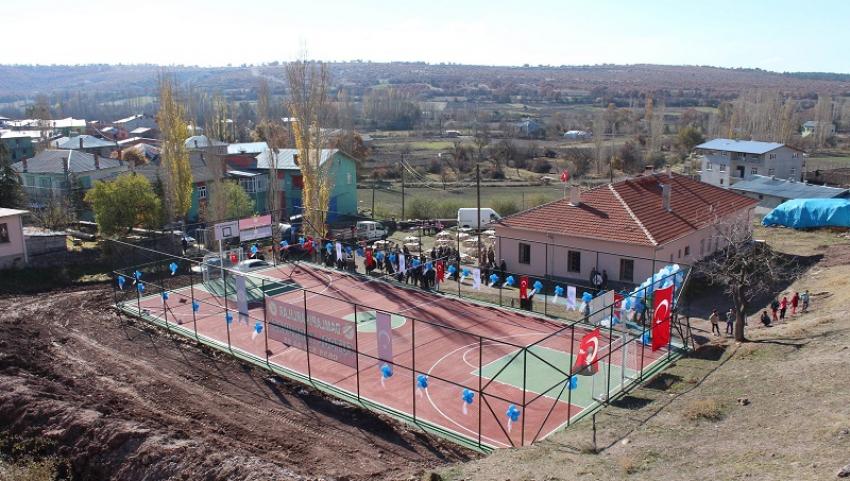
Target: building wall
[(343, 175), (19, 148), (723, 168), (12, 252), (550, 253)]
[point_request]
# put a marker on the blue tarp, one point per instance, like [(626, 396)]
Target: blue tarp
[(810, 213)]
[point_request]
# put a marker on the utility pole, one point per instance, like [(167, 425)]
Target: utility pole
[(402, 192), (373, 201), (478, 196)]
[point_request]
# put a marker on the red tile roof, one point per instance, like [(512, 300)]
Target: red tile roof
[(631, 211)]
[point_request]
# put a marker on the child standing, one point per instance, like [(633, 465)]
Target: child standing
[(715, 322), (783, 306), (795, 300)]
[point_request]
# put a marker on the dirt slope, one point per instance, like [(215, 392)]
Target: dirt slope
[(774, 409), (120, 400)]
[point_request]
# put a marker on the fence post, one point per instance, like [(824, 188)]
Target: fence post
[(413, 361), (480, 393), (524, 377), (570, 378), (192, 298), (546, 280), (307, 337), (226, 310), (265, 320), (610, 347), (357, 354)]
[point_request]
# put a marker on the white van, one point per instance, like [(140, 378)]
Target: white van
[(466, 217), (369, 230)]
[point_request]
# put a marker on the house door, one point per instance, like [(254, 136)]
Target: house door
[(741, 171)]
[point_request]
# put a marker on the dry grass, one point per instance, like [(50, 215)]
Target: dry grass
[(630, 464), (28, 471), (708, 409)]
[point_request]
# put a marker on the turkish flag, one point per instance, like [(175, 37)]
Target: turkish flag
[(233, 258), (588, 351), (663, 303), (523, 287), (441, 271), (368, 257), (618, 305), (565, 176)]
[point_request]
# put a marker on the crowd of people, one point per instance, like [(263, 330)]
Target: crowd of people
[(778, 310)]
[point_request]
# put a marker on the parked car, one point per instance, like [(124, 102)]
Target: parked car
[(466, 217), (211, 263), (370, 230), (252, 265)]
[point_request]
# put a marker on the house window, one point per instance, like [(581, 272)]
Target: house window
[(44, 182), (687, 251), (202, 192), (724, 154), (722, 167), (795, 155), (754, 171), (524, 253), (708, 166), (249, 185), (793, 171), (772, 156), (627, 270), (771, 171), (573, 261), (297, 182), (348, 178), (721, 181), (4, 233)]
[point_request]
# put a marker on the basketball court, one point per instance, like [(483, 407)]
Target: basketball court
[(409, 353)]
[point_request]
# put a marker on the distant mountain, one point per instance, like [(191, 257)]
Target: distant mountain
[(20, 81)]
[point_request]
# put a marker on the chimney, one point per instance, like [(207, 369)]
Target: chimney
[(575, 196), (296, 159), (665, 197), (96, 161), (66, 164), (81, 142), (648, 169), (24, 163), (669, 172)]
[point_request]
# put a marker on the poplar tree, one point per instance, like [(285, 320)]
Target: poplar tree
[(176, 172)]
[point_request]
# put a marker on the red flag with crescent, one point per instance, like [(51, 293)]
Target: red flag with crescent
[(523, 287), (565, 176), (588, 352), (663, 303), (441, 271)]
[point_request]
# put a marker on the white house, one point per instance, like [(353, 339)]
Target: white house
[(627, 229), (726, 161)]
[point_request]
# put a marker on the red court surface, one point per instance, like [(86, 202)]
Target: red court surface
[(444, 338)]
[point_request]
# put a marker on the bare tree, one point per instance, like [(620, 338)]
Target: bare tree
[(745, 267), (308, 102)]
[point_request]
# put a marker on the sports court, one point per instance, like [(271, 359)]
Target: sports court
[(321, 327)]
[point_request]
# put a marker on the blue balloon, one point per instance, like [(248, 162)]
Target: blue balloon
[(196, 306), (301, 240), (121, 281), (393, 258), (427, 266), (513, 413), (284, 244), (586, 297), (140, 287), (329, 247), (165, 296), (466, 272), (416, 262), (494, 278), (228, 318), (422, 381), (348, 250), (573, 382), (258, 326), (386, 371), (467, 396), (360, 252), (538, 286), (559, 291), (509, 281), (646, 340), (452, 269), (173, 268), (137, 275)]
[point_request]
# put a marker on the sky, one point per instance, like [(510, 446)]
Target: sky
[(779, 35)]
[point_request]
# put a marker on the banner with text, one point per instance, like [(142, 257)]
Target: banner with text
[(331, 337)]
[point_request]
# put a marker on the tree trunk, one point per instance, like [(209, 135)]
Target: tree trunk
[(740, 315)]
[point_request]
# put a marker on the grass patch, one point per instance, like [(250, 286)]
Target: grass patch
[(630, 464), (703, 409)]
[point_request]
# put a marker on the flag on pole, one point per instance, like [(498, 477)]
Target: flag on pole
[(663, 302), (338, 250), (571, 298), (565, 176), (588, 351), (441, 271), (402, 266), (523, 287)]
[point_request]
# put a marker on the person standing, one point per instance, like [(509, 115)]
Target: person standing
[(783, 306), (774, 307), (804, 299), (714, 318), (730, 322), (795, 301)]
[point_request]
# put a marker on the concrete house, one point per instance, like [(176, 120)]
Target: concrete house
[(57, 172), (87, 143), (18, 145), (772, 191), (257, 157), (812, 126), (628, 229), (13, 247), (726, 161)]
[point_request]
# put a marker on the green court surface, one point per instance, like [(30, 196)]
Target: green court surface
[(541, 376), (254, 288)]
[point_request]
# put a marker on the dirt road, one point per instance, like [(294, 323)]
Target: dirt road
[(120, 400)]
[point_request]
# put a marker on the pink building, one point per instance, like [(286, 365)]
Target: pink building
[(628, 229), (13, 248)]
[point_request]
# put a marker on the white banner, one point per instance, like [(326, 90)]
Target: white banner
[(338, 250), (384, 330), (476, 279), (241, 298), (571, 298), (402, 266)]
